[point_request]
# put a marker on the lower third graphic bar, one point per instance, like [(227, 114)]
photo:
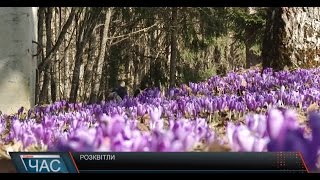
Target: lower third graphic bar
[(190, 162)]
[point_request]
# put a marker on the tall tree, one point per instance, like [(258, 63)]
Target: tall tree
[(91, 16), (248, 25), (144, 46), (59, 41), (272, 45), (44, 94), (174, 46), (41, 30), (101, 56), (291, 37), (17, 64)]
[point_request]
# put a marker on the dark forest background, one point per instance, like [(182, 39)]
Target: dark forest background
[(84, 52)]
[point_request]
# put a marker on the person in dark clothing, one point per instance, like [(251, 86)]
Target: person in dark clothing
[(122, 90), (137, 92)]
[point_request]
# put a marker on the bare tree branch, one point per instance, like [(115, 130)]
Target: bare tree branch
[(40, 49), (135, 32), (55, 48)]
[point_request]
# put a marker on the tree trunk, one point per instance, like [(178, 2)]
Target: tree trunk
[(76, 70), (53, 80), (114, 62), (103, 89), (88, 71), (174, 44), (86, 28), (41, 13), (53, 84), (248, 44), (272, 50), (249, 40), (60, 39), (101, 57), (44, 94), (292, 36), (18, 28)]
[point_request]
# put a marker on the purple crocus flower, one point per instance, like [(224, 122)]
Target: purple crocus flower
[(38, 131), (116, 125), (242, 139), (16, 127), (314, 120), (20, 111), (230, 131), (171, 92), (141, 110), (275, 124), (155, 118), (257, 123), (260, 144), (81, 140), (2, 127), (28, 140)]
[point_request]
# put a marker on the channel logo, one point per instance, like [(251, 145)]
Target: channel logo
[(44, 163)]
